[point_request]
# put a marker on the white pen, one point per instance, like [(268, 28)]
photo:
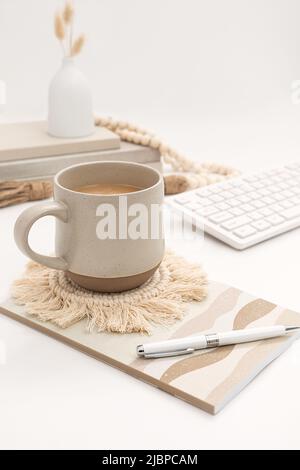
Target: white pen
[(176, 347)]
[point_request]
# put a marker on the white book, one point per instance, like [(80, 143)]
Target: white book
[(27, 140)]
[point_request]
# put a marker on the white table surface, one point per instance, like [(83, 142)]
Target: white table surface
[(54, 397)]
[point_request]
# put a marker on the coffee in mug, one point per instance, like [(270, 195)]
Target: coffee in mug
[(109, 233), (107, 188)]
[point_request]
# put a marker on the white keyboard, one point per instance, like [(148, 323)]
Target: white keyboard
[(246, 210)]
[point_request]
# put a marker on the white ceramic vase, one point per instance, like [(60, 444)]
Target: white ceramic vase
[(70, 110)]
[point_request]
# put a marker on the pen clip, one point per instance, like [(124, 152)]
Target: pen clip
[(181, 352)]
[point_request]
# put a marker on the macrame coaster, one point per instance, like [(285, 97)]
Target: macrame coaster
[(50, 296)]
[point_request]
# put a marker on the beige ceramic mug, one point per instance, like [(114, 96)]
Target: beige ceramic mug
[(106, 243)]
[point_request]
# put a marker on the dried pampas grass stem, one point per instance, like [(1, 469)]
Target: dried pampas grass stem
[(64, 31), (78, 45), (68, 13), (59, 29), (68, 16)]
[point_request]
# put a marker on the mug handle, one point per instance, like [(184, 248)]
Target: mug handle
[(24, 223)]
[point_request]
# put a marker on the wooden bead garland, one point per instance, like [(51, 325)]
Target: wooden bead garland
[(197, 174), (189, 175)]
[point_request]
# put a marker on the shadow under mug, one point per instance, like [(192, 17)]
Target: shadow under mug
[(105, 243)]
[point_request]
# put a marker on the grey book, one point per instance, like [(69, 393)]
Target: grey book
[(47, 167)]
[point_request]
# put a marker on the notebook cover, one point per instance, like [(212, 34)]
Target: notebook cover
[(208, 379), (21, 140)]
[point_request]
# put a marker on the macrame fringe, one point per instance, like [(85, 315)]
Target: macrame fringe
[(50, 296)]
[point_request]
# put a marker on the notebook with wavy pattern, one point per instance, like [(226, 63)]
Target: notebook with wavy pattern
[(208, 379)]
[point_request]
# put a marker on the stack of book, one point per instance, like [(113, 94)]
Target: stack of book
[(27, 151)]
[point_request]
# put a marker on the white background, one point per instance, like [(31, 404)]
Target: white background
[(215, 79)]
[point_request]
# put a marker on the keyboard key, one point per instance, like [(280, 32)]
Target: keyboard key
[(258, 185), (220, 217), (275, 219), (204, 201), (284, 175), (255, 215), (276, 207), (293, 182), (258, 204), (255, 195), (223, 206), (284, 185), (295, 190), (263, 192), (236, 211), (203, 193), (215, 189), (251, 179), (291, 213), (237, 222), (233, 202), (267, 200), (286, 193), (295, 200), (244, 199), (226, 186), (206, 211), (286, 204), (262, 176), (236, 183), (236, 191), (193, 206), (216, 198), (246, 188), (266, 211), (245, 231), (274, 189), (267, 183), (261, 225), (277, 179), (226, 194), (247, 208), (278, 197)]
